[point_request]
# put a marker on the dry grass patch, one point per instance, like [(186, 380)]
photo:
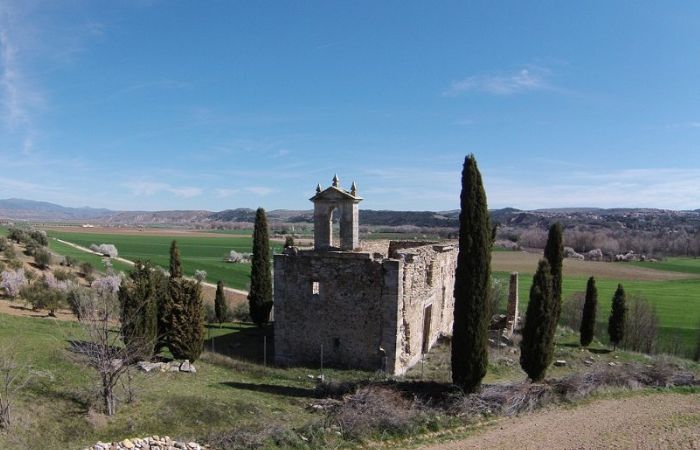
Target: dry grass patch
[(526, 263)]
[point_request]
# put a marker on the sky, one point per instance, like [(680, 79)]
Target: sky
[(153, 105)]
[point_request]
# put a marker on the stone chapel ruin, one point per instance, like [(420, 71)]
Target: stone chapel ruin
[(369, 305)]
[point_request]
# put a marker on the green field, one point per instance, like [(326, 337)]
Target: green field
[(683, 265), (197, 252), (677, 302), (95, 260)]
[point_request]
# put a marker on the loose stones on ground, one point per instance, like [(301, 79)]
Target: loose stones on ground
[(172, 366), (148, 443)]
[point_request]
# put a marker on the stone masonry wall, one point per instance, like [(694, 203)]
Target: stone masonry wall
[(368, 311), (428, 281), (346, 316)]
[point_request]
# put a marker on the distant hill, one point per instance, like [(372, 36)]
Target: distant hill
[(649, 219), (17, 208)]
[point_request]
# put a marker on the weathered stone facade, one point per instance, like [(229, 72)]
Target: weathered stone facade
[(375, 307)]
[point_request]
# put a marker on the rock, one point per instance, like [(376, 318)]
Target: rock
[(126, 443), (187, 367), (560, 363), (145, 366), (612, 364)]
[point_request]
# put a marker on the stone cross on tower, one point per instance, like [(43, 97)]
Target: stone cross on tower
[(346, 203)]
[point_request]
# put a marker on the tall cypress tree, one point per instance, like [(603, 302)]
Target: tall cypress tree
[(616, 322), (186, 337), (220, 306), (589, 312), (554, 253), (472, 278), (537, 346), (166, 304), (139, 296), (260, 294), (175, 264)]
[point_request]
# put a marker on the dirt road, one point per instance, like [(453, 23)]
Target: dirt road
[(643, 421)]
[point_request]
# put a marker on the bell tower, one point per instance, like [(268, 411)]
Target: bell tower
[(335, 198)]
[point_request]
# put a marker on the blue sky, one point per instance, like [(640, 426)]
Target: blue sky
[(138, 104)]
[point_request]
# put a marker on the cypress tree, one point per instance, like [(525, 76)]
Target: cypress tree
[(260, 294), (220, 306), (616, 322), (139, 297), (175, 264), (554, 253), (472, 279), (165, 306), (589, 312), (537, 346), (186, 337)]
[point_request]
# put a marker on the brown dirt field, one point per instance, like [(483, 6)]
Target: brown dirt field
[(644, 421), (19, 308), (526, 263)]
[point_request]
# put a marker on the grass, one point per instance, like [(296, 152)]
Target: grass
[(96, 261), (677, 303), (197, 252), (682, 265), (232, 389), (222, 394)]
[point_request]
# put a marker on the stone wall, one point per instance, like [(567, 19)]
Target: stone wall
[(365, 310), (428, 299), (345, 316)]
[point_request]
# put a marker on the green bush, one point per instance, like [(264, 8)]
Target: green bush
[(42, 297), (42, 258)]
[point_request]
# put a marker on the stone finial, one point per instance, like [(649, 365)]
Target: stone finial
[(318, 188), (353, 189), (336, 181)]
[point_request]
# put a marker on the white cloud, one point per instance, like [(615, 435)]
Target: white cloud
[(225, 193), (530, 78), (260, 190), (149, 188)]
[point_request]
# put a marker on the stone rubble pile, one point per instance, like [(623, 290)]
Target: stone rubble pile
[(148, 443), (172, 366)]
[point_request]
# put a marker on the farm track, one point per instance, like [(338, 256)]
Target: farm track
[(641, 421), (131, 263)]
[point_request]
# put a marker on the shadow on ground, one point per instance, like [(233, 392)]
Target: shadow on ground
[(288, 391), (242, 341)]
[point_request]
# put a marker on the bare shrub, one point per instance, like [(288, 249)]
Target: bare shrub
[(572, 310), (239, 313), (373, 409), (260, 435), (14, 376), (100, 345), (641, 325), (533, 238), (510, 399), (495, 294), (505, 400)]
